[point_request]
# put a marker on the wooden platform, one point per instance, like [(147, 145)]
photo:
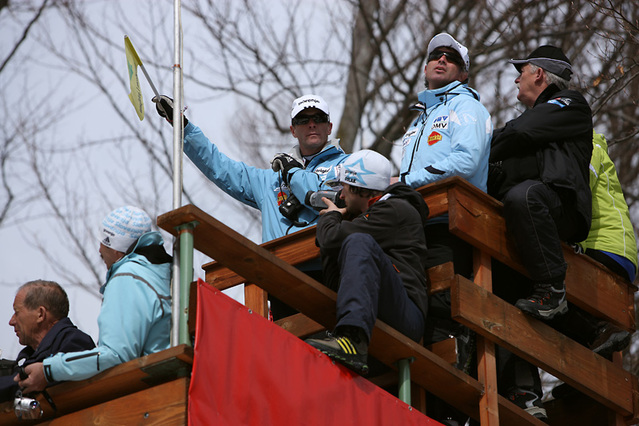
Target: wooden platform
[(474, 217)]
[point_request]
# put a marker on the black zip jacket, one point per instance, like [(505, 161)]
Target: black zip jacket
[(396, 222), (551, 142), (64, 336)]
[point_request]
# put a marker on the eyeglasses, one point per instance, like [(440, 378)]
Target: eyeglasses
[(452, 57), (304, 119)]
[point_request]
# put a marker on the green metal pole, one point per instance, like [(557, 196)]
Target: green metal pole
[(403, 365), (185, 233)]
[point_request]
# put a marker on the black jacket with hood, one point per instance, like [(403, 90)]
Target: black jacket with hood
[(396, 221)]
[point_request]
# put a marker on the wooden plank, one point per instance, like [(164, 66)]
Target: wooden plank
[(123, 379), (301, 292), (440, 277), (541, 345), (294, 249), (300, 325), (165, 404), (589, 285)]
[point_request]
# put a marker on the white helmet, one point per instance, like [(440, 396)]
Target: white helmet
[(365, 169)]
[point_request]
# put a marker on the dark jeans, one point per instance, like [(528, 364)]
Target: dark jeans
[(538, 223), (370, 287)]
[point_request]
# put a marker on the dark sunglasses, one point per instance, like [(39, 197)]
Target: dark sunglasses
[(452, 57), (304, 119)]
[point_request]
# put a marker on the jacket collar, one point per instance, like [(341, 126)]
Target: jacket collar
[(429, 98), (329, 148)]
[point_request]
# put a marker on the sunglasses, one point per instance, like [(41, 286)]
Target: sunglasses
[(452, 57), (304, 119)]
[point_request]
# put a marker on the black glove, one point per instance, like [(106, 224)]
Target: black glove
[(284, 163), (164, 107)]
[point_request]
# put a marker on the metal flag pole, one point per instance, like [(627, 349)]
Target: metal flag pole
[(182, 274)]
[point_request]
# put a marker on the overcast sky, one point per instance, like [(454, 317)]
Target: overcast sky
[(20, 260)]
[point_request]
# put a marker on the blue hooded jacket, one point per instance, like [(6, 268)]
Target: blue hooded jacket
[(134, 320), (263, 189), (451, 137)]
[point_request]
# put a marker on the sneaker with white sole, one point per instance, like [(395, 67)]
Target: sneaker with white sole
[(530, 402), (546, 302)]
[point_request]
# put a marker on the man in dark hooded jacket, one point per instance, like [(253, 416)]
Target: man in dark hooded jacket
[(375, 261)]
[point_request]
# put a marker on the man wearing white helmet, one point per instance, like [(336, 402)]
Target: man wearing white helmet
[(135, 317), (375, 261)]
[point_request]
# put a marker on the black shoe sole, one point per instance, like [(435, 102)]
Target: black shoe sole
[(358, 366), (617, 342)]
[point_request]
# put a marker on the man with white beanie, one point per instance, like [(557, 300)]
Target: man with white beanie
[(135, 317), (375, 261)]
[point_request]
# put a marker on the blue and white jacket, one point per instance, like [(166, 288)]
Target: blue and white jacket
[(451, 137), (134, 320), (263, 189)]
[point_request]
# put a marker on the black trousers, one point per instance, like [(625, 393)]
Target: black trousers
[(370, 287), (538, 222)]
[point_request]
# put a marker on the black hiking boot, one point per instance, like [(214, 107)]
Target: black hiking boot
[(610, 338), (546, 302), (348, 346)]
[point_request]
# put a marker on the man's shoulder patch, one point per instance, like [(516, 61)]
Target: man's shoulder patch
[(561, 102)]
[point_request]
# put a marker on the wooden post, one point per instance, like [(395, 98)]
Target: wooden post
[(486, 364), (256, 299)]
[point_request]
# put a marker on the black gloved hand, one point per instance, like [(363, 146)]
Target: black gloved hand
[(284, 163), (164, 107)]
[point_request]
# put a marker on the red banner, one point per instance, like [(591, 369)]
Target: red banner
[(249, 371)]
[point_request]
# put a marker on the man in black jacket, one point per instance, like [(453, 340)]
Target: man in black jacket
[(41, 324), (375, 261), (539, 169)]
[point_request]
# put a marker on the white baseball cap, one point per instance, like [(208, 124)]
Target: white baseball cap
[(309, 101), (365, 169), (446, 40)]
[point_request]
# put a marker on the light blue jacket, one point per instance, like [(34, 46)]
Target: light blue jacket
[(134, 320), (262, 189), (451, 137)]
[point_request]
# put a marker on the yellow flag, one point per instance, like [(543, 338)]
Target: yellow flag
[(132, 61)]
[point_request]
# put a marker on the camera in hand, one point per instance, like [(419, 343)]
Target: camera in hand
[(314, 199)]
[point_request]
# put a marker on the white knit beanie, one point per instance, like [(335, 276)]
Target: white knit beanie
[(123, 226)]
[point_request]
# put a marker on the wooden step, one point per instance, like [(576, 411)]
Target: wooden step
[(544, 347)]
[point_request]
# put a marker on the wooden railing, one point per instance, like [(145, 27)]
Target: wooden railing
[(151, 390)]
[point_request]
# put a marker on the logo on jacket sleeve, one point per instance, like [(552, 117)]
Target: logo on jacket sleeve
[(440, 123), (561, 102), (433, 138)]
